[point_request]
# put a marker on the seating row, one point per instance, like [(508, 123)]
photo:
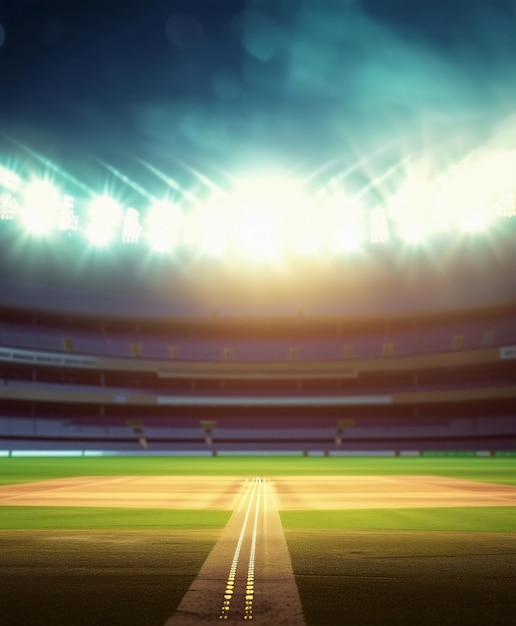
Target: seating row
[(465, 336)]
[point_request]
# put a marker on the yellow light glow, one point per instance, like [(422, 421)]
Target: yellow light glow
[(263, 211), (257, 233)]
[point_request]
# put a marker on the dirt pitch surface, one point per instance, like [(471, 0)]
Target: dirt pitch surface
[(380, 492), (248, 575), (148, 492), (293, 493)]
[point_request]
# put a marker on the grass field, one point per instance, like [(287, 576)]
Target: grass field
[(492, 519), (106, 578), (378, 578), (20, 470), (82, 518), (493, 470), (454, 564)]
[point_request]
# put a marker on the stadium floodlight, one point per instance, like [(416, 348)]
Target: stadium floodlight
[(41, 207), (164, 226), (504, 205), (131, 228), (105, 215), (68, 220), (8, 206)]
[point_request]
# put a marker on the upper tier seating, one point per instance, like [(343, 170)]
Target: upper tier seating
[(423, 339)]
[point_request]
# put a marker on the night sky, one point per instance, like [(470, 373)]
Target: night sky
[(222, 83)]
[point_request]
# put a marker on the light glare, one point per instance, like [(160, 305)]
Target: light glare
[(69, 220), (475, 221), (257, 233), (208, 226), (131, 228), (265, 218), (8, 206), (341, 222), (41, 207), (9, 180), (378, 225), (164, 226), (105, 215), (270, 216)]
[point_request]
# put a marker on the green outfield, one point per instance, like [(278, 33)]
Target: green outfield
[(104, 577), (378, 577), (82, 518), (492, 519), (486, 469), (121, 566), (22, 470), (501, 519)]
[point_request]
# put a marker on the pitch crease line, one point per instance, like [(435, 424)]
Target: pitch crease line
[(230, 583), (249, 588)]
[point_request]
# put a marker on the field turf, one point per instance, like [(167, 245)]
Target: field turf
[(20, 470), (379, 578), (83, 518), (105, 578), (490, 519), (75, 566)]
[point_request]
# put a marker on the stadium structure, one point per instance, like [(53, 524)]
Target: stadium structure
[(206, 361), (264, 317)]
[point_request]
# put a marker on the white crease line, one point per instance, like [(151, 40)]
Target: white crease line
[(249, 586), (275, 598), (230, 583), (266, 495)]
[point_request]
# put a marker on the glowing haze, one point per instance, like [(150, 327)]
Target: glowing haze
[(269, 217)]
